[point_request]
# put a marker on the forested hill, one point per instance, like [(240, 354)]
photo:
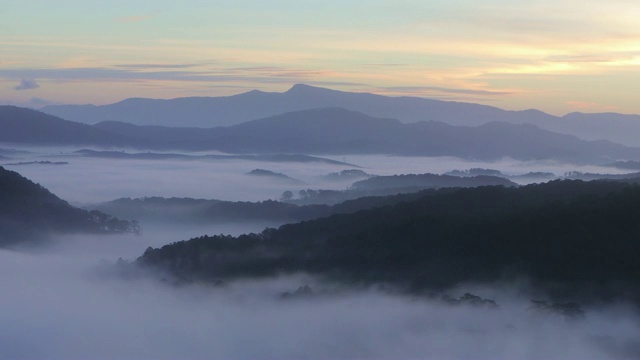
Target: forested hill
[(572, 238), (428, 180), (28, 211), (311, 203)]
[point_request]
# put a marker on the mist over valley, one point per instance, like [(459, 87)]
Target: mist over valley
[(296, 229)]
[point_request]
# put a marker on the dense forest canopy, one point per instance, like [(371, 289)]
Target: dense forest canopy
[(572, 238)]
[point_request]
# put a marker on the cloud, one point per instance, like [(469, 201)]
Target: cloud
[(90, 315), (33, 103), (608, 57), (97, 73), (384, 66), (40, 102), (133, 19), (27, 84), (437, 89), (61, 307), (590, 106), (154, 72), (157, 66)]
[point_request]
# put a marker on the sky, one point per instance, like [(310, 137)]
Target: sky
[(556, 56)]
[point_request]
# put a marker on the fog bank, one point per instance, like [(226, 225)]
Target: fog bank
[(57, 305), (92, 180)]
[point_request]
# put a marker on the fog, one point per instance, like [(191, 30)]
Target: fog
[(59, 303), (87, 180), (91, 180), (391, 165)]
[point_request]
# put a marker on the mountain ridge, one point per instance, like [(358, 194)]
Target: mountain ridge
[(337, 131), (230, 110), (21, 125)]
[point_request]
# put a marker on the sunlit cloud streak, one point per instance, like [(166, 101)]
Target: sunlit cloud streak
[(422, 89), (404, 48), (591, 106), (134, 73), (158, 66)]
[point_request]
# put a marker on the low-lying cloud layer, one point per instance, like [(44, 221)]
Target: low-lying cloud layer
[(57, 305), (88, 180)]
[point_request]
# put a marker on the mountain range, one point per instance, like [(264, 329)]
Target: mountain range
[(26, 126), (232, 110), (334, 131)]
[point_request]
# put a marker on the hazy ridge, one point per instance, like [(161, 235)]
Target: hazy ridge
[(231, 110), (324, 131)]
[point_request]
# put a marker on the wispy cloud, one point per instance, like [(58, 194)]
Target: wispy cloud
[(33, 103), (590, 106), (27, 84), (607, 57), (40, 102), (97, 73), (423, 89), (283, 72), (159, 66), (133, 19), (384, 66), (269, 75)]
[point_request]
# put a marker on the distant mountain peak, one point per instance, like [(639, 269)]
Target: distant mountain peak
[(252, 92), (301, 87), (306, 89)]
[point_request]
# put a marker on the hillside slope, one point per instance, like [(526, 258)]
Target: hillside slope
[(572, 239), (20, 125), (28, 211)]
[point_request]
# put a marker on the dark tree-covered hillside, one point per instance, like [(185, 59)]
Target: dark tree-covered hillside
[(571, 238), (429, 181), (28, 210)]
